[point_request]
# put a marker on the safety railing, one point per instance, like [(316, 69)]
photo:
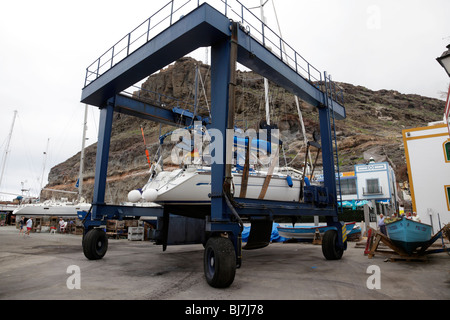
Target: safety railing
[(175, 10), (138, 37), (374, 190)]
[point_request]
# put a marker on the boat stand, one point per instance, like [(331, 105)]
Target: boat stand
[(375, 239), (317, 238)]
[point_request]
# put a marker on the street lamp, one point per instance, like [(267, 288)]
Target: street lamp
[(444, 60)]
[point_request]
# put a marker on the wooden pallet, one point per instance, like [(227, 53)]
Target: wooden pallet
[(410, 258)]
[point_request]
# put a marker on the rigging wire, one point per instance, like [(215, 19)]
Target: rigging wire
[(204, 90), (28, 158), (296, 98)]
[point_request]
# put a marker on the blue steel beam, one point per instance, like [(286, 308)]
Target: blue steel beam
[(119, 212), (176, 117), (203, 27), (100, 213), (250, 207), (132, 107)]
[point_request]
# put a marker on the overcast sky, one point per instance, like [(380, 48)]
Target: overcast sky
[(45, 47)]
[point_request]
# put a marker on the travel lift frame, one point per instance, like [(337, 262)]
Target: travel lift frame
[(230, 43)]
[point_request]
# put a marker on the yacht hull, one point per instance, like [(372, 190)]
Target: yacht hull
[(187, 193)]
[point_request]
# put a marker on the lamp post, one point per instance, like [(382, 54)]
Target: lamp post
[(444, 61)]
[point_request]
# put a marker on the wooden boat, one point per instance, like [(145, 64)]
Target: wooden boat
[(408, 234), (307, 232)]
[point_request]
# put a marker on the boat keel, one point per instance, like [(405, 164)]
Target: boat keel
[(259, 234)]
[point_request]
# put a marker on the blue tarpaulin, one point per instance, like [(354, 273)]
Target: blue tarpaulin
[(274, 237)]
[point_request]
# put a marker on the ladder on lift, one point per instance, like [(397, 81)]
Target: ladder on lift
[(331, 94)]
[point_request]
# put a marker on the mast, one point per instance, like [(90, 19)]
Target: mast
[(83, 142), (296, 97), (43, 168), (266, 82), (7, 147), (195, 93)]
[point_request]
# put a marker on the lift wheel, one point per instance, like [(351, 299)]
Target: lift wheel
[(219, 262), (330, 248), (95, 244)]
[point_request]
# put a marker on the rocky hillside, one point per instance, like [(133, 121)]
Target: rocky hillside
[(373, 128)]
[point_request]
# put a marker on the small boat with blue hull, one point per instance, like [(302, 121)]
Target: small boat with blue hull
[(409, 234), (307, 232)]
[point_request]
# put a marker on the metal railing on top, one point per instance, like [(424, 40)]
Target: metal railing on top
[(175, 10)]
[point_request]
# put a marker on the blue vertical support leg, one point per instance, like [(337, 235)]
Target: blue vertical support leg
[(330, 183), (95, 241), (223, 249), (220, 78), (101, 166)]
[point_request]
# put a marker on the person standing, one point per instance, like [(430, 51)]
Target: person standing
[(382, 225), (29, 226), (21, 224)]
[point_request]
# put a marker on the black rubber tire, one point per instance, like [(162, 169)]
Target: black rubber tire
[(95, 244), (219, 262), (330, 249)]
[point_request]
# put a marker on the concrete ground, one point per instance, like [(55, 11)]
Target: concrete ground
[(40, 267)]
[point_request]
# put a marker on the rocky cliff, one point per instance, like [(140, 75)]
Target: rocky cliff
[(373, 128)]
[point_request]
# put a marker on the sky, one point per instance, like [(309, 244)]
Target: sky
[(46, 46)]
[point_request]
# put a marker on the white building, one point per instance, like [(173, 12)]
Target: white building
[(369, 182), (427, 152), (376, 181)]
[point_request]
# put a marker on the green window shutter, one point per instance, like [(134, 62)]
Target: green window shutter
[(447, 151)]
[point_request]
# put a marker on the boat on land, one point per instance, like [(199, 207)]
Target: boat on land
[(409, 234), (307, 232), (62, 208), (188, 189)]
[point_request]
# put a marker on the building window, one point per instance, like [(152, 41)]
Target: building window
[(447, 151), (372, 187), (348, 187), (447, 193)]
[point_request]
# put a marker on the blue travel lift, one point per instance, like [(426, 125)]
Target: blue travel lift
[(230, 43)]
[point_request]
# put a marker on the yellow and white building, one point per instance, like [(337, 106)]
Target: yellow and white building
[(427, 153)]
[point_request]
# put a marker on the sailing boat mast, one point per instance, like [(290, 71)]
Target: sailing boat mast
[(43, 168), (266, 82), (7, 147), (296, 98), (83, 142)]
